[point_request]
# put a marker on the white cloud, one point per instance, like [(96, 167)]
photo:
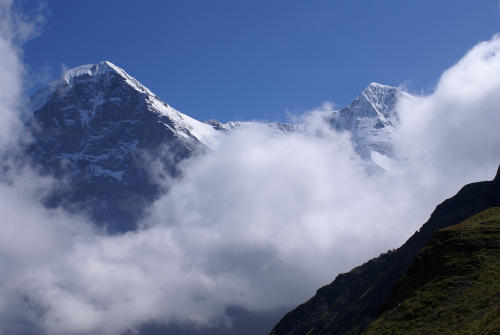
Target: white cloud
[(15, 29), (11, 78), (452, 134), (258, 222)]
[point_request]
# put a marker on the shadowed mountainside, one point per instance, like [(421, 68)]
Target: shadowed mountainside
[(453, 285), (355, 299)]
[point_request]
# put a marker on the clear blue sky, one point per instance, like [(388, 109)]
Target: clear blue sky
[(255, 59)]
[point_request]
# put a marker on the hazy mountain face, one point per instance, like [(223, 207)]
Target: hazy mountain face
[(105, 134)]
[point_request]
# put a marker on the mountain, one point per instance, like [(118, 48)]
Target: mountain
[(452, 286), (371, 119), (113, 140), (278, 127), (102, 129), (355, 299)]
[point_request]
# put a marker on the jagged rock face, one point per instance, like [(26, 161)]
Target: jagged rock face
[(99, 127), (370, 119)]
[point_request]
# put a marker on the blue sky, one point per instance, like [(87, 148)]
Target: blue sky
[(242, 60)]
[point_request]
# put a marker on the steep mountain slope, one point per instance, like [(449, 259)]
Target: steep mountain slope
[(453, 286), (354, 299), (100, 128), (371, 119)]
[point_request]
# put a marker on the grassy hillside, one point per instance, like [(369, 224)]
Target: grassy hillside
[(453, 286), (355, 299)]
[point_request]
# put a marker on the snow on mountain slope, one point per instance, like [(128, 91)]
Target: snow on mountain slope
[(99, 126), (371, 119), (105, 72), (278, 127)]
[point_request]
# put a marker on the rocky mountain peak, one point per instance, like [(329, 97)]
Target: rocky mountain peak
[(103, 71), (91, 70), (370, 118), (382, 100), (98, 126)]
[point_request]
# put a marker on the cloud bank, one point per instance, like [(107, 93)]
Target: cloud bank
[(259, 222)]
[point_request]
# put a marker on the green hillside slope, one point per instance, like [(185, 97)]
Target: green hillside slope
[(453, 286), (354, 299)]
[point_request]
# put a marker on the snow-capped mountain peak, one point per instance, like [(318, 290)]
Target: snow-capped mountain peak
[(370, 118), (101, 70), (102, 77), (100, 125), (382, 99)]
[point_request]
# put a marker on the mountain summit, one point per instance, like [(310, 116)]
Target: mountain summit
[(371, 119), (100, 126), (97, 84)]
